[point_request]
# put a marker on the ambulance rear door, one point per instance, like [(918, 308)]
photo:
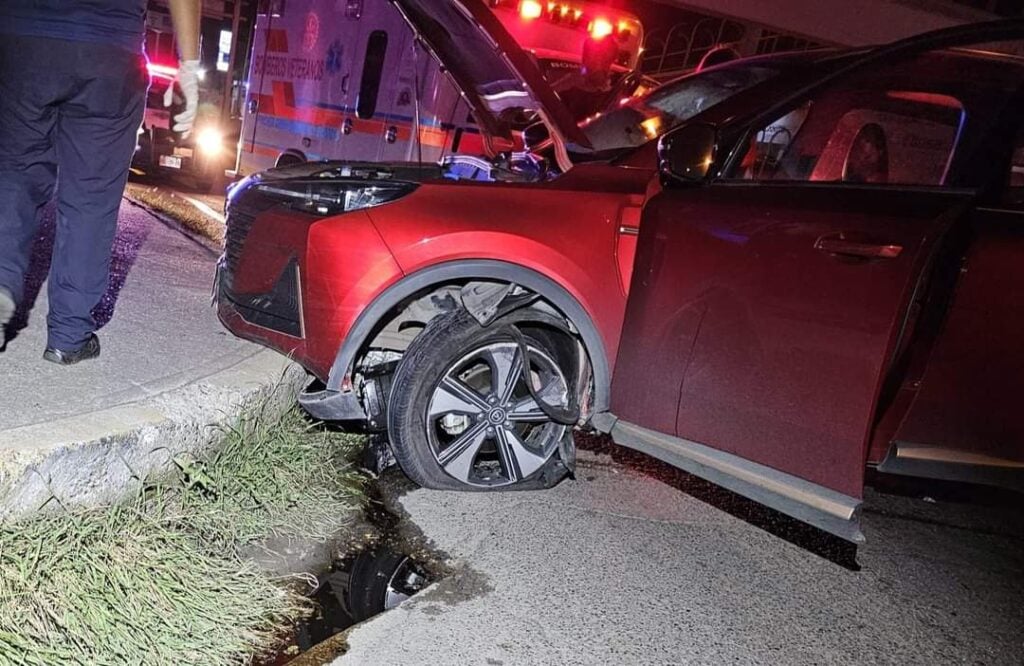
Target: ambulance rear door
[(300, 82)]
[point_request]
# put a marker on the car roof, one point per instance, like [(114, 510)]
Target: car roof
[(961, 68)]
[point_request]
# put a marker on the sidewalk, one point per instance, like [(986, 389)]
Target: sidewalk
[(168, 372)]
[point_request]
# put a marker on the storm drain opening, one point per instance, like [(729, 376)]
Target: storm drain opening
[(373, 576), (356, 588)]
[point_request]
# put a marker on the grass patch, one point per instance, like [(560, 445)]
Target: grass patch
[(158, 579), (169, 203)]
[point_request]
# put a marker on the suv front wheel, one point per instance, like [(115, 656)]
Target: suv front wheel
[(462, 417)]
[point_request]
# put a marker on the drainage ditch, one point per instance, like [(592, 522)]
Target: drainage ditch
[(392, 564)]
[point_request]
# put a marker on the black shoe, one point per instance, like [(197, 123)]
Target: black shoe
[(91, 349)]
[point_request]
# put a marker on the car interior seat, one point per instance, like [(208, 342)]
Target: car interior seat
[(867, 160)]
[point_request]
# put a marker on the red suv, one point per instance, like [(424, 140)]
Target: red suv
[(479, 322), (342, 265)]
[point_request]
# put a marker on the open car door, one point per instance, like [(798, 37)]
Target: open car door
[(767, 308)]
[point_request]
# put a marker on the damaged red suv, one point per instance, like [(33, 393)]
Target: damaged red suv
[(479, 322), (342, 265)]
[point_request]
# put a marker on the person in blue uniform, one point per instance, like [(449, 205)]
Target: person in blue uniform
[(73, 86)]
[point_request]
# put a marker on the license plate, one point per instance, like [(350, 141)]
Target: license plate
[(183, 152), (171, 161)]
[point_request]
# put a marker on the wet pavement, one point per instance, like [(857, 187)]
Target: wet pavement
[(636, 563)]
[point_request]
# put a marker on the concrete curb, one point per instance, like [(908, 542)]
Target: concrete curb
[(97, 458)]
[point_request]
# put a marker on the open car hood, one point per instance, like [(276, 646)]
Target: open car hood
[(497, 77)]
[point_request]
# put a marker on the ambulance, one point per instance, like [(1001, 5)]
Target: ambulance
[(348, 79)]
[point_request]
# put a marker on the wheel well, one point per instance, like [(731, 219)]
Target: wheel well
[(289, 157), (403, 309), (380, 357), (396, 330)]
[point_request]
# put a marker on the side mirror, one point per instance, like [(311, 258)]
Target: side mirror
[(687, 154)]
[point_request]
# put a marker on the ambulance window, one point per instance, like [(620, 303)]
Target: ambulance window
[(274, 8), (373, 67)]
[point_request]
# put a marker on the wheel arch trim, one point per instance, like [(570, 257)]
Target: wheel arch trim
[(290, 152), (483, 269)]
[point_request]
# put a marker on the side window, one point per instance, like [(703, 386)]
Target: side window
[(858, 135), (373, 67)]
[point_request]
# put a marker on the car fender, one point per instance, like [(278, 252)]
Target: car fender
[(477, 269)]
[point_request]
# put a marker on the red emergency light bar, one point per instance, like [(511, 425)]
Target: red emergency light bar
[(565, 13)]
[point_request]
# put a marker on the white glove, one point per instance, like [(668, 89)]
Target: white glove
[(188, 81)]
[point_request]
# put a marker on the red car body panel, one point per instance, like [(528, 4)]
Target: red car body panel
[(756, 343), (334, 292), (567, 234), (567, 231)]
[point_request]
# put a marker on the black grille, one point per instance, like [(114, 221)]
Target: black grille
[(239, 224), (278, 309), (242, 213)]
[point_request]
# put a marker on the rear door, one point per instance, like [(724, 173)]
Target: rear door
[(965, 420), (305, 57), (767, 308), (396, 98), (362, 127)]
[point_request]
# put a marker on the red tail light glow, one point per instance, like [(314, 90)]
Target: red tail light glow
[(165, 71)]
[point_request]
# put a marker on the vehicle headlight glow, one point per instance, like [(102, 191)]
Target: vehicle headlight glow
[(210, 140), (331, 197)]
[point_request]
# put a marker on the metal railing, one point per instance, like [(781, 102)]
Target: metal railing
[(680, 48)]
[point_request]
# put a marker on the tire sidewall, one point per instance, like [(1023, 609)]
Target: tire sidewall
[(446, 339)]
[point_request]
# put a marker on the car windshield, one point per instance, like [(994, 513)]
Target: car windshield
[(641, 119)]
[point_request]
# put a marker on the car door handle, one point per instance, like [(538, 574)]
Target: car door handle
[(840, 245)]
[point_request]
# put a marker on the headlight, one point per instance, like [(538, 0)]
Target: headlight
[(210, 140), (325, 197)]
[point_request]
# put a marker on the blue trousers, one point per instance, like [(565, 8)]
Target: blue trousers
[(69, 116)]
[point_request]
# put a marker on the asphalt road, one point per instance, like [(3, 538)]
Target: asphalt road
[(636, 563)]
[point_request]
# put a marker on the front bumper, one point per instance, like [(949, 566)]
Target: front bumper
[(331, 405), (296, 284)]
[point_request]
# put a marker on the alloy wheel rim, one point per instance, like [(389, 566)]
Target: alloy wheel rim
[(484, 427)]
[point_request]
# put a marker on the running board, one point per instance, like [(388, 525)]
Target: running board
[(816, 505), (934, 462)]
